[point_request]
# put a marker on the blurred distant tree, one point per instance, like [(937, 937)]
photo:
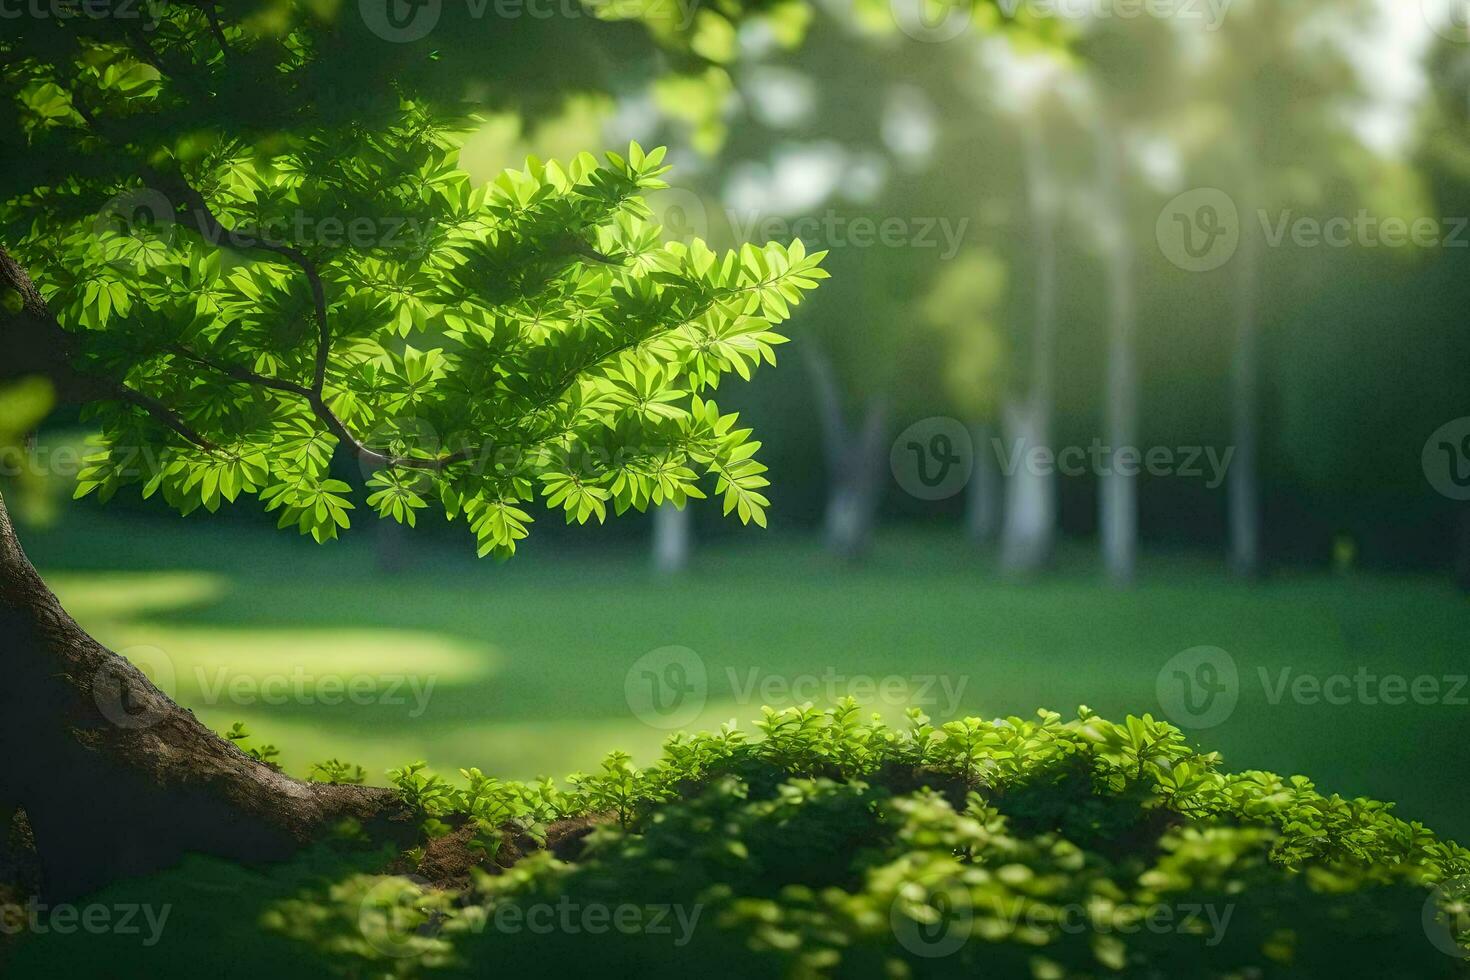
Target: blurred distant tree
[(1445, 156), (671, 538), (1020, 122), (1382, 327), (1270, 122), (1133, 80), (241, 282), (963, 309), (811, 154), (1030, 522)]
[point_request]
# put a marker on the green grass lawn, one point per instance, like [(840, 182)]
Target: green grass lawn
[(521, 668)]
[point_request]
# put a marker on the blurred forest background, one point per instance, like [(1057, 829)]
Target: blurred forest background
[(1051, 225)]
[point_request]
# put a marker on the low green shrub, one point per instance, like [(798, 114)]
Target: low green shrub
[(838, 846)]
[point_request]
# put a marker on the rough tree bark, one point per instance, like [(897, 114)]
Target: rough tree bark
[(114, 778)]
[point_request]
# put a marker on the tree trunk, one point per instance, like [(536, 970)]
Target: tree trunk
[(854, 460), (983, 497), (33, 344), (1031, 494), (1118, 490), (1029, 529), (114, 778), (671, 539), (19, 873), (1241, 487)]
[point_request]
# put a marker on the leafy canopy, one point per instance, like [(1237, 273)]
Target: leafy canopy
[(487, 345), (270, 273)]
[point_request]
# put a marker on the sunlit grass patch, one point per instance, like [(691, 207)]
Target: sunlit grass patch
[(131, 595)]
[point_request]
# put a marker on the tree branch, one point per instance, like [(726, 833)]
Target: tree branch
[(327, 417), (211, 13), (32, 342), (165, 415), (204, 221)]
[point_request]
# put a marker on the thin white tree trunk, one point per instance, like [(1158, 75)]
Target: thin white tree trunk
[(1029, 530), (854, 460), (672, 539), (1241, 489), (1118, 484), (1030, 505)]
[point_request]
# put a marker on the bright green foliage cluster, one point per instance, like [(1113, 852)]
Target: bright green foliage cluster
[(481, 347), (242, 738), (335, 772), (835, 846)]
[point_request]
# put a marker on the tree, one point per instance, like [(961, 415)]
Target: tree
[(215, 265), (962, 310), (1030, 522), (890, 160), (1283, 87), (671, 538), (1130, 74)]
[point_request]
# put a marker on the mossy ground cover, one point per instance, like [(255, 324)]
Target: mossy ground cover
[(827, 844)]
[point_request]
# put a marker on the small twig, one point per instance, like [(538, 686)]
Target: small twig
[(165, 415), (211, 13), (329, 418)]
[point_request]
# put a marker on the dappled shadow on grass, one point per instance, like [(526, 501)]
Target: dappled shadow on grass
[(530, 659)]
